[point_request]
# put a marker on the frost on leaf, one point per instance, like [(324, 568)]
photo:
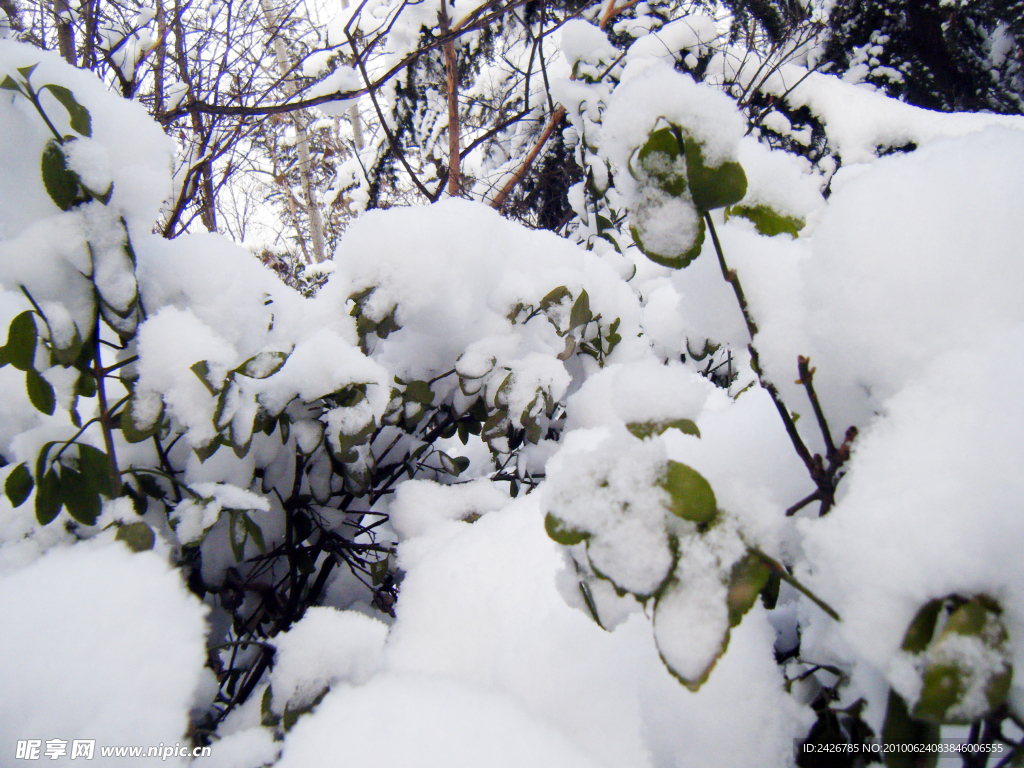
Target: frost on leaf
[(715, 582), (651, 526), (676, 188), (959, 652)]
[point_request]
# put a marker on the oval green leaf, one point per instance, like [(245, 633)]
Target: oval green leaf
[(649, 428), (40, 392), (19, 485), (62, 184), (81, 120), (138, 536), (672, 260), (748, 577), (20, 350), (921, 629), (691, 496), (766, 220), (419, 392), (48, 499), (657, 159), (81, 499), (97, 468), (562, 533), (716, 187)]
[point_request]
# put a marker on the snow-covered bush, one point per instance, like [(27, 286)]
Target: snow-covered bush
[(490, 495)]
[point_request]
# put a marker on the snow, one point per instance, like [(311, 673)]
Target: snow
[(340, 80), (651, 91), (73, 668), (692, 32), (325, 648), (645, 391), (858, 120), (462, 727), (902, 288), (244, 749), (930, 508), (611, 492), (583, 41), (480, 605), (418, 505), (937, 270)]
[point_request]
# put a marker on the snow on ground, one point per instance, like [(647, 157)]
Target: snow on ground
[(102, 644)]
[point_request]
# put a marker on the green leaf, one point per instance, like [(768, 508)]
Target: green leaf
[(921, 629), (69, 354), (257, 367), (291, 716), (48, 498), (667, 600), (139, 501), (580, 314), (42, 458), (79, 496), (132, 433), (900, 728), (138, 536), (419, 392), (98, 469), (952, 672), (267, 716), (202, 372), (447, 463), (672, 260), (40, 392), (562, 533), (555, 297), (658, 158), (570, 347), (19, 485), (81, 121), (716, 187), (9, 85), (649, 428), (61, 182), (206, 451), (20, 350), (748, 577), (691, 496), (150, 487), (253, 530), (767, 221), (378, 570), (26, 72)]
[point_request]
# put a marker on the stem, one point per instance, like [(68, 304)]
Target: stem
[(122, 364), (69, 443), (166, 476), (807, 379), (787, 577), (731, 278), (755, 360), (34, 98), (104, 416)]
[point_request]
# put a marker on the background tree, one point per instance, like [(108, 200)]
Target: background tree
[(937, 55)]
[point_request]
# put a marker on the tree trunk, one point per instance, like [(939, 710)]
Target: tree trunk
[(284, 66), (451, 66), (65, 32)]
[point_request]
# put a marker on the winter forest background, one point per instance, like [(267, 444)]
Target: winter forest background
[(512, 383)]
